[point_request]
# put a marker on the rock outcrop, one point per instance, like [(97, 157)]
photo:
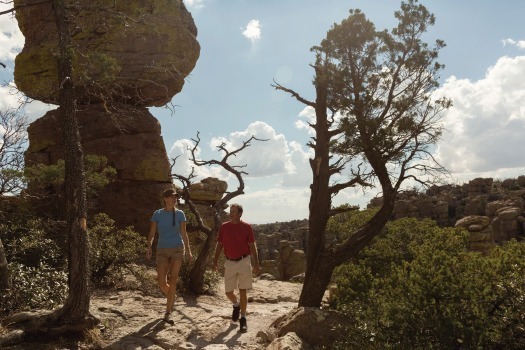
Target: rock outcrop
[(282, 248), (313, 326), (492, 211), (129, 55), (137, 52)]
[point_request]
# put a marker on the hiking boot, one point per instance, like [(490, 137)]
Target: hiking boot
[(167, 318), (243, 328), (236, 312)]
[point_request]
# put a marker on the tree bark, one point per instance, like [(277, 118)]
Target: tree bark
[(5, 277), (196, 283), (319, 207), (76, 307)]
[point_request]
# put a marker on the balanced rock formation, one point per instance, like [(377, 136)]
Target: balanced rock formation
[(137, 52), (134, 147), (128, 55)]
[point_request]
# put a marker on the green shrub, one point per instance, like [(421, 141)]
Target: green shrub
[(98, 174), (40, 287), (112, 248), (419, 287), (32, 241), (211, 277)]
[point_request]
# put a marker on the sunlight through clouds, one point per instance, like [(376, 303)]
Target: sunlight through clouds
[(308, 114), (261, 158), (485, 125), (252, 31)]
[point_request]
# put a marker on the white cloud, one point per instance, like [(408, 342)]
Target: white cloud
[(194, 4), (308, 113), (275, 204), (11, 38), (302, 174), (276, 161), (183, 166), (252, 30), (11, 98), (485, 125), (518, 43), (262, 158)]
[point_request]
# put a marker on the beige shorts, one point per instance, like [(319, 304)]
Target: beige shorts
[(238, 274), (164, 255)]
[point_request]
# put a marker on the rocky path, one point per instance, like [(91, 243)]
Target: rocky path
[(134, 321)]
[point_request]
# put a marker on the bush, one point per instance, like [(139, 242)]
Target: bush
[(211, 277), (32, 241), (36, 263), (41, 287), (419, 287), (111, 249)]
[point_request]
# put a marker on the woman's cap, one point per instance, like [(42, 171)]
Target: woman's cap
[(170, 192)]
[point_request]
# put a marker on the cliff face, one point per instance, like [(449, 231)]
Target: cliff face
[(128, 55)]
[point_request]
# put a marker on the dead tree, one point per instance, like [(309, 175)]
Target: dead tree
[(196, 277)]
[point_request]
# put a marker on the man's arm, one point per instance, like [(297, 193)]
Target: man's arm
[(255, 258), (218, 250)]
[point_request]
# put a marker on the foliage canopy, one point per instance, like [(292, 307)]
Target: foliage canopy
[(418, 286)]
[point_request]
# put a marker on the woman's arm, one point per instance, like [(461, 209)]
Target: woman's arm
[(185, 239), (151, 236)]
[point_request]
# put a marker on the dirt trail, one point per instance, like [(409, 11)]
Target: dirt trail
[(134, 321)]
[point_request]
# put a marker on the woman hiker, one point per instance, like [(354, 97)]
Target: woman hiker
[(173, 243)]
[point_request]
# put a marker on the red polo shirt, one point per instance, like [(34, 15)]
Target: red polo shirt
[(235, 239)]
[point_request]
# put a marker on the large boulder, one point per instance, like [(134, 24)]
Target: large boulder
[(138, 52), (133, 145), (290, 341), (314, 326)]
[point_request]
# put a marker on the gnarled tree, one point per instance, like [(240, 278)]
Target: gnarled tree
[(376, 121), (196, 277)]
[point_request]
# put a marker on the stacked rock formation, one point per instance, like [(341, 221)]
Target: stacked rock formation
[(492, 211), (129, 55), (282, 248)]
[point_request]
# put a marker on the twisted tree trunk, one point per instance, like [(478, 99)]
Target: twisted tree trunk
[(5, 278), (76, 307)]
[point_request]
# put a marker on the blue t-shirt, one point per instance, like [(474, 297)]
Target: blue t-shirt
[(169, 234)]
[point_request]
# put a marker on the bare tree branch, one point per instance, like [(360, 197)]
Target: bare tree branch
[(22, 5), (298, 97)]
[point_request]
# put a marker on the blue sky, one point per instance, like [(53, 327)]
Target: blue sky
[(246, 44)]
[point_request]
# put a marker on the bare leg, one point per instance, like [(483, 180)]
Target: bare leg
[(244, 301), (162, 276), (172, 287), (231, 296)]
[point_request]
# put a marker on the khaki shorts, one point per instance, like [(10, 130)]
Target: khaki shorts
[(164, 255), (238, 274)]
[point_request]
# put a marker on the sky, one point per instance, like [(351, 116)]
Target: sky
[(247, 44)]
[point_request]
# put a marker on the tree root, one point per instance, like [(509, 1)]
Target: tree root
[(42, 323)]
